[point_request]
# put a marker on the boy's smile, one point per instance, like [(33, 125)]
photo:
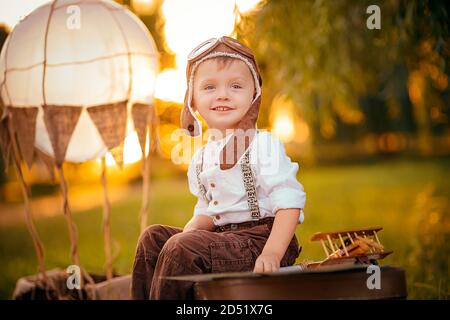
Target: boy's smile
[(223, 94)]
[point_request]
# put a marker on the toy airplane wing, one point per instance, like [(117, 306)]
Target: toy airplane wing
[(345, 233), (348, 246)]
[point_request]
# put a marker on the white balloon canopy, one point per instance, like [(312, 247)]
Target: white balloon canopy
[(71, 73)]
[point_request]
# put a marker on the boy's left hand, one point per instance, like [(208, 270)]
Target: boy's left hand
[(267, 262)]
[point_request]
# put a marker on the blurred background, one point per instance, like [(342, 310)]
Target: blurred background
[(364, 112)]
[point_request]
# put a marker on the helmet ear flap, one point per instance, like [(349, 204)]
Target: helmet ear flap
[(190, 123)]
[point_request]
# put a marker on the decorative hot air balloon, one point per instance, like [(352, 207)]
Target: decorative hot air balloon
[(75, 78)]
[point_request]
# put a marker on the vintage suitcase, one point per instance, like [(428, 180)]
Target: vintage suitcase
[(349, 271), (327, 282)]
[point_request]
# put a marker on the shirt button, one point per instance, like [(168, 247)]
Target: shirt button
[(217, 217), (213, 185), (216, 202)]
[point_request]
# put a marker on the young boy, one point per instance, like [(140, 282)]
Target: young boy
[(249, 200)]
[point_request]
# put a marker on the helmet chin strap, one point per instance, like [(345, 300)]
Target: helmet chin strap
[(241, 139)]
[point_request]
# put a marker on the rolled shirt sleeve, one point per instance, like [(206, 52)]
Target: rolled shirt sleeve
[(278, 178)]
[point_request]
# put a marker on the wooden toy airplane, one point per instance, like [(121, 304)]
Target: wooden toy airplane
[(350, 246)]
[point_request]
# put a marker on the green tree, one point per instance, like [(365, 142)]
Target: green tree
[(322, 55)]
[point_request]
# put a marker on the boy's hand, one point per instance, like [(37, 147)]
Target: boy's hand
[(267, 262), (283, 230)]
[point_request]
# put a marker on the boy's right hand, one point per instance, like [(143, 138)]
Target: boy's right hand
[(200, 222)]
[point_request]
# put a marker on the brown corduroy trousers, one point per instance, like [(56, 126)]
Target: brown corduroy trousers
[(167, 251)]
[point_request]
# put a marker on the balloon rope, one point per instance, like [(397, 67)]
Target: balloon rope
[(38, 247), (72, 228), (146, 184), (69, 219), (44, 64), (106, 224), (127, 47)]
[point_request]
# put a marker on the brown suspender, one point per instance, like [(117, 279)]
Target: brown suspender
[(198, 170), (250, 186)]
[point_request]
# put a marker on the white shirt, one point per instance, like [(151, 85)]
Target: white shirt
[(275, 178)]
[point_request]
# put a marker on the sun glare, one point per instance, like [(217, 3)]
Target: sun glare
[(187, 24)]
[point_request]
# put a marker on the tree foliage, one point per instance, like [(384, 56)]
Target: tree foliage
[(322, 55)]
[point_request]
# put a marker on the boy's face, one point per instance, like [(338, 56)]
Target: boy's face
[(230, 87)]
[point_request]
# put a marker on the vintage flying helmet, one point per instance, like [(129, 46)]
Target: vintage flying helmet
[(223, 47)]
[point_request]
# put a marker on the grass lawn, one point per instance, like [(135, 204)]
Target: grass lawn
[(410, 199)]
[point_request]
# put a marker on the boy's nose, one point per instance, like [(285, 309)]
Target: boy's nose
[(222, 94)]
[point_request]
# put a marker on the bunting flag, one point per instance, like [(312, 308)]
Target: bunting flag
[(24, 126), (154, 136), (117, 154), (111, 122), (142, 116), (60, 122), (48, 162)]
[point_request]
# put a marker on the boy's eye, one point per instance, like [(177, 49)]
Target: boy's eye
[(236, 86), (209, 87)]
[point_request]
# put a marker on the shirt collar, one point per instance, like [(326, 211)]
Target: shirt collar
[(210, 138), (220, 141)]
